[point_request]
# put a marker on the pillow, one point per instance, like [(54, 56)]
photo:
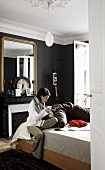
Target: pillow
[(60, 113), (82, 114), (78, 113), (71, 114), (67, 105), (61, 116)]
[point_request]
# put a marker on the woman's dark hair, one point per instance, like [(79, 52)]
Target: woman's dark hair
[(43, 92)]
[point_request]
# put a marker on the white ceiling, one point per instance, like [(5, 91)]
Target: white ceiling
[(71, 20)]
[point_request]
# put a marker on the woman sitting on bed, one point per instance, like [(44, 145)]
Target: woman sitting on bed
[(35, 122)]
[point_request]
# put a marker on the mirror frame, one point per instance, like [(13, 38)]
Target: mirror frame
[(2, 59)]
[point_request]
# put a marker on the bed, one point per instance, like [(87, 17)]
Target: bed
[(68, 148)]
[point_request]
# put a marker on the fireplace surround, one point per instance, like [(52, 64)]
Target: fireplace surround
[(10, 107)]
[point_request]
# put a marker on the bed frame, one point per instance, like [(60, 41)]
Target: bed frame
[(59, 160)]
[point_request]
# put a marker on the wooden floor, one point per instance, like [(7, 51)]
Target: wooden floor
[(4, 145)]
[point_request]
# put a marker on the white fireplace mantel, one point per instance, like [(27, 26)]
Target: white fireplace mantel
[(12, 109)]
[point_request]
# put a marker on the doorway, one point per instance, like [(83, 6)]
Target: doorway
[(81, 74)]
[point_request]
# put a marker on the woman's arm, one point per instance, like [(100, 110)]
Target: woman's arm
[(33, 114)]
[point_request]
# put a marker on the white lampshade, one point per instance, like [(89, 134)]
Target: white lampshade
[(49, 39)]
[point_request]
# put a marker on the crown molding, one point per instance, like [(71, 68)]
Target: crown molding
[(79, 37), (11, 27)]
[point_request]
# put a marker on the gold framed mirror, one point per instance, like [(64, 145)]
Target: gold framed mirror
[(13, 47)]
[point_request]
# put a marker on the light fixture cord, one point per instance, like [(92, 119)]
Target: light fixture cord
[(49, 16)]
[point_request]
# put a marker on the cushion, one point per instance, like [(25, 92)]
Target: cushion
[(67, 105), (61, 116), (78, 113), (60, 113)]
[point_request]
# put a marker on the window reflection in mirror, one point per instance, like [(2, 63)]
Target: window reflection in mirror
[(24, 68)]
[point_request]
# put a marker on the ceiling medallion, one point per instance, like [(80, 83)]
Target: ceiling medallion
[(53, 4), (49, 5)]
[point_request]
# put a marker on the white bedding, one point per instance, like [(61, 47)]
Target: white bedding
[(73, 143), (70, 141)]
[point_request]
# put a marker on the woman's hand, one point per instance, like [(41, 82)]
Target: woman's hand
[(48, 109)]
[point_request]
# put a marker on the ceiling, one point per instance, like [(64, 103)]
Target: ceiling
[(71, 20)]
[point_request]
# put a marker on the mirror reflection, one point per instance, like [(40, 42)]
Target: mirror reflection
[(24, 67), (19, 61)]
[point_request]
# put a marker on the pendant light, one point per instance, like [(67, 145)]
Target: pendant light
[(49, 37), (50, 5)]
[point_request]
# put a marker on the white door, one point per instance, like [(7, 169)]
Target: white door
[(81, 74), (97, 82)]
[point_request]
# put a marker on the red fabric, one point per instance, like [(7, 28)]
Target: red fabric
[(77, 123)]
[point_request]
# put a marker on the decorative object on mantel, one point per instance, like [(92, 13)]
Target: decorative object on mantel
[(28, 92), (50, 5), (9, 87), (33, 82), (20, 84), (17, 92)]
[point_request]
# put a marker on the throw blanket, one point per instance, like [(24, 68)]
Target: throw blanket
[(77, 123), (21, 133)]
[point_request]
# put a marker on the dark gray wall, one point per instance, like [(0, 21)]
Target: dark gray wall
[(69, 73), (57, 58), (10, 64)]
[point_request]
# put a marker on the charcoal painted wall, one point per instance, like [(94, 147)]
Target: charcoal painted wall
[(10, 64), (57, 58), (69, 73)]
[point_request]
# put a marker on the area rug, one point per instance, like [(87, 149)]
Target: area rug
[(15, 160)]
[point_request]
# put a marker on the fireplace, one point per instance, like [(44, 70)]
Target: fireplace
[(17, 119), (13, 111), (21, 112)]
